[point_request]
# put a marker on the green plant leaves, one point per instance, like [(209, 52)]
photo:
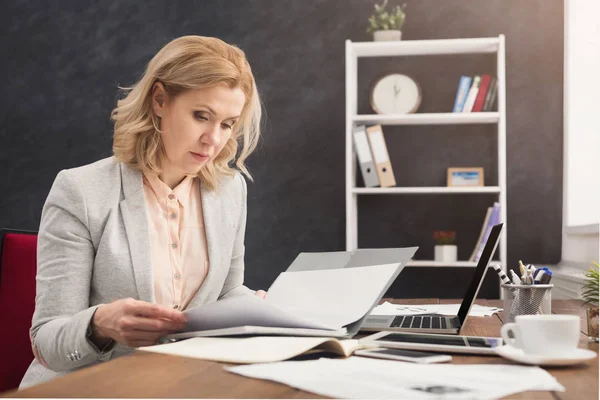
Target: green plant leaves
[(382, 20), (591, 287)]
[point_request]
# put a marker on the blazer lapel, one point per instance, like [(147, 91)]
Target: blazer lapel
[(133, 209), (211, 208)]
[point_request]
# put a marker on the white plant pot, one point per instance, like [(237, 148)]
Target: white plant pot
[(388, 35), (445, 253)]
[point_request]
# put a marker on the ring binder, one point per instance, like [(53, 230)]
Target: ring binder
[(365, 160), (381, 156)]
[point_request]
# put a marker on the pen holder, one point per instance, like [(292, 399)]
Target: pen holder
[(526, 300)]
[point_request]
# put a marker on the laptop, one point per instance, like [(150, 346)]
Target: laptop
[(435, 323)]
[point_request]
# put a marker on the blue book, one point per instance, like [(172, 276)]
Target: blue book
[(461, 95)]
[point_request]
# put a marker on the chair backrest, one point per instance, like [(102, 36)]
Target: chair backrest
[(18, 257)]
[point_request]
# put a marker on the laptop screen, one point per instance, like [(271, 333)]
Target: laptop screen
[(480, 270)]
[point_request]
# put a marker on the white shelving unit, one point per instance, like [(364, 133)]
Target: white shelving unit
[(494, 45)]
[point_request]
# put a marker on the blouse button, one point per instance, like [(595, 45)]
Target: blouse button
[(171, 196), (173, 215)]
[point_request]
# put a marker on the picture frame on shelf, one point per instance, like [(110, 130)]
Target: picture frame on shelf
[(461, 177)]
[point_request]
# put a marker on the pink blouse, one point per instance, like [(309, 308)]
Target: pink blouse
[(178, 239)]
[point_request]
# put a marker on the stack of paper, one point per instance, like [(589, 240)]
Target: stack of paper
[(358, 377), (330, 302), (444, 309)]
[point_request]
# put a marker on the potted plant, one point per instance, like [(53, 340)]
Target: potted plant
[(445, 247), (590, 298), (386, 26)]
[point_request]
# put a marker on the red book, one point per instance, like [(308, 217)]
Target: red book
[(483, 88)]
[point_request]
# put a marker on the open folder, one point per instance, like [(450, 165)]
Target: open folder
[(258, 349), (321, 294)]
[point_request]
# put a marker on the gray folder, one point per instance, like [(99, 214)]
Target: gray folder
[(352, 259), (348, 259), (365, 157)]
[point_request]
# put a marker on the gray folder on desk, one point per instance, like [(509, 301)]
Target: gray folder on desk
[(355, 258)]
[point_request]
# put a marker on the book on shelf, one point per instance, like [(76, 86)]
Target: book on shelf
[(481, 93), (258, 349), (481, 233), (321, 294), (472, 95), (494, 219), (461, 95), (476, 94), (490, 98)]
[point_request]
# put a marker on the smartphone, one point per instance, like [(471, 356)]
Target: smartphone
[(421, 357)]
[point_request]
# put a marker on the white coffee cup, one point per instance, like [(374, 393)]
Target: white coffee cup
[(543, 335)]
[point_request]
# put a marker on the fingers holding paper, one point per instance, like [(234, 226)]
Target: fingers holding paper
[(135, 323)]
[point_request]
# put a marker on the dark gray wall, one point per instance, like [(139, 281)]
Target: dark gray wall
[(63, 62)]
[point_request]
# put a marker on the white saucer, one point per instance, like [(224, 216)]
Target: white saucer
[(575, 357)]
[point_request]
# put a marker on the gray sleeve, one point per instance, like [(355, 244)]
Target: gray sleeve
[(65, 257), (234, 283)]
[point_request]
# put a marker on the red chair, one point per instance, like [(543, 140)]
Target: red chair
[(18, 256)]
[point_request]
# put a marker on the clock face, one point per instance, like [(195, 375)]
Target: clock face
[(395, 94)]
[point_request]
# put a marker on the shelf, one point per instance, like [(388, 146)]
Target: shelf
[(425, 47), (481, 48), (429, 118), (431, 263), (427, 190)]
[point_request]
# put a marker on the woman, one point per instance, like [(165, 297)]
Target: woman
[(126, 243)]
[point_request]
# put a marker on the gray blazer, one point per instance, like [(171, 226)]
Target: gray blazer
[(94, 248)]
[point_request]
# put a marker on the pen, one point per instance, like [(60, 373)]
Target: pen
[(538, 271), (521, 267), (533, 271), (544, 280), (538, 277), (515, 278), (527, 278), (501, 274)]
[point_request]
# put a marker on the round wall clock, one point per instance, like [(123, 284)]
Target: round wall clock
[(395, 94)]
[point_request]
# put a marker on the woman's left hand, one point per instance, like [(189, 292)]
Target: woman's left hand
[(261, 293)]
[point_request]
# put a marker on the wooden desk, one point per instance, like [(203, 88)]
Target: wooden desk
[(149, 375)]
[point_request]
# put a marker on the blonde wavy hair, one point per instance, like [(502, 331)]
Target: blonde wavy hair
[(186, 63)]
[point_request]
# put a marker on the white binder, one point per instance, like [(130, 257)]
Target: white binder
[(363, 153), (381, 156)]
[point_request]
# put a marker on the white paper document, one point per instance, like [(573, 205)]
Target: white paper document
[(246, 310), (358, 377), (323, 300), (331, 297), (444, 309)]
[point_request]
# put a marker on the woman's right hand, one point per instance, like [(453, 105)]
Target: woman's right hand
[(134, 323)]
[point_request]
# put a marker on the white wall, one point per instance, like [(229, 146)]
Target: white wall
[(581, 182), (581, 202)]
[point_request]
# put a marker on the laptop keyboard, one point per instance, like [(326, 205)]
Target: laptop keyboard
[(424, 322)]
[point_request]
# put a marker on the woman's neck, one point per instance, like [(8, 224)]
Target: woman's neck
[(171, 177)]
